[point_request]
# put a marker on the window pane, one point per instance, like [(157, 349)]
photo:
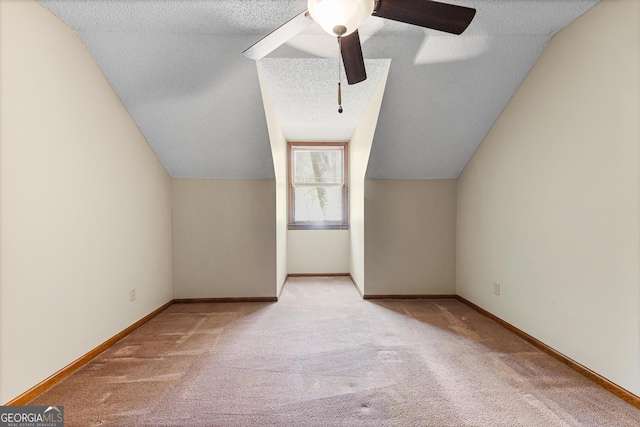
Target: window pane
[(318, 204), (318, 165)]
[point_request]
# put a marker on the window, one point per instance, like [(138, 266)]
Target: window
[(318, 185)]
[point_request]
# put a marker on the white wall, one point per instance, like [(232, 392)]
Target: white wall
[(359, 150), (410, 236), (224, 238), (318, 251), (549, 204), (85, 206), (279, 152)]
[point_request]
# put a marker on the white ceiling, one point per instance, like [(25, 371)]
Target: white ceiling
[(306, 97), (178, 68)]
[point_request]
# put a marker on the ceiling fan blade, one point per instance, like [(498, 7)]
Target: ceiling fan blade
[(352, 58), (279, 36), (426, 13)]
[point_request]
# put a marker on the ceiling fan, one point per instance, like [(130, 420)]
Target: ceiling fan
[(341, 18)]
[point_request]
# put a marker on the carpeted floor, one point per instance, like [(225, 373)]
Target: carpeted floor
[(322, 356)]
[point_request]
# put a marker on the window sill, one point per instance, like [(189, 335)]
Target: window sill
[(318, 226)]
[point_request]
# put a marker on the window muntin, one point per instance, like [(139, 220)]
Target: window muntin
[(318, 185)]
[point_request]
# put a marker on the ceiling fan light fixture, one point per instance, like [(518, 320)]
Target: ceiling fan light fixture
[(340, 17)]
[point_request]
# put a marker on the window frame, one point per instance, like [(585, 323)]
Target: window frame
[(324, 225)]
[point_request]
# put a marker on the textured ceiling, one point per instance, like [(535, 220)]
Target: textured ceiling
[(178, 68), (306, 97)]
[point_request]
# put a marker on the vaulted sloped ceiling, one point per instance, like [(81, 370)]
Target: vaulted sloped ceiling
[(178, 68)]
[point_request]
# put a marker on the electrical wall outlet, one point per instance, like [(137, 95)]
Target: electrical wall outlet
[(132, 294), (496, 288)]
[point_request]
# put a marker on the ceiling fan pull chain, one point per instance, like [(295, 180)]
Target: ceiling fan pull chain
[(339, 75)]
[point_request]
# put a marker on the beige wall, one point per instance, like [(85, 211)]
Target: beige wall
[(549, 205), (279, 152), (359, 150), (410, 236), (318, 251), (85, 206), (224, 238)]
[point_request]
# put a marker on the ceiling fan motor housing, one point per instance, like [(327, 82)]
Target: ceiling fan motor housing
[(335, 16)]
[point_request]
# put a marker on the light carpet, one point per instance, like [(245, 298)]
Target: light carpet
[(322, 356)]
